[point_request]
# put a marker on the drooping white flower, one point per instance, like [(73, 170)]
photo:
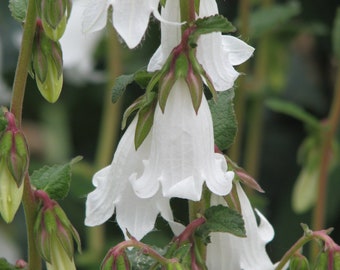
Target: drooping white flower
[(182, 153), (114, 192), (216, 53), (130, 17), (227, 251)]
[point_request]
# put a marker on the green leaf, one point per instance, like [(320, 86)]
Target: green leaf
[(206, 25), (18, 9), (293, 110), (336, 35), (275, 16), (224, 119), (54, 180), (5, 265), (120, 85), (221, 219)]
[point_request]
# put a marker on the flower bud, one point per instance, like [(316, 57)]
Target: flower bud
[(54, 235), (13, 166), (115, 260), (322, 262), (336, 259), (54, 15), (299, 262), (47, 65)]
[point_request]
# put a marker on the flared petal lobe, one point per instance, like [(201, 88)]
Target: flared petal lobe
[(130, 17), (182, 151)]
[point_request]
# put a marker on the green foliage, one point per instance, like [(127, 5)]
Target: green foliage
[(141, 77), (336, 35), (54, 180), (224, 119), (206, 25), (276, 16), (18, 9), (293, 110), (221, 219), (4, 265)]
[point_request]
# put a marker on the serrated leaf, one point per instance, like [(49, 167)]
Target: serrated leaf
[(54, 180), (120, 85), (336, 35), (221, 219), (206, 25), (268, 18), (18, 9), (224, 119), (293, 110)]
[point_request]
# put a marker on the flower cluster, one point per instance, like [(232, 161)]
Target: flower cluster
[(177, 156)]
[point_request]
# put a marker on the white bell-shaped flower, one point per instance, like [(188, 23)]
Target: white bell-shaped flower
[(227, 251), (216, 53), (182, 153), (114, 191)]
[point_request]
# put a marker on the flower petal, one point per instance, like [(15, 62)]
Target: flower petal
[(95, 15), (238, 50), (131, 18)]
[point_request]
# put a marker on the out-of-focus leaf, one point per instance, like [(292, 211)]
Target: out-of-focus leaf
[(336, 35), (269, 18), (18, 9), (293, 110)]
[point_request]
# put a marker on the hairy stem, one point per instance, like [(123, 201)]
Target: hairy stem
[(19, 85)]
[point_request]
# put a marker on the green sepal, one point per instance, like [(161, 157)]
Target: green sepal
[(336, 35), (133, 107), (221, 219), (17, 160), (195, 85), (18, 10), (206, 25), (54, 180), (165, 85), (181, 66), (145, 121)]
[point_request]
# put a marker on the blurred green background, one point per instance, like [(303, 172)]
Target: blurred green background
[(293, 61)]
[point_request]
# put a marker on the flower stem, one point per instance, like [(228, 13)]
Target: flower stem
[(326, 156), (19, 85), (24, 61)]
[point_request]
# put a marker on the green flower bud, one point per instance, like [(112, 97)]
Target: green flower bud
[(115, 260), (54, 15), (322, 262), (299, 262), (10, 193), (336, 259), (47, 65), (13, 166), (54, 235)]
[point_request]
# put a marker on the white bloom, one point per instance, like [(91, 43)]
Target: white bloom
[(227, 251), (130, 17), (113, 191), (216, 53), (78, 60), (182, 151)]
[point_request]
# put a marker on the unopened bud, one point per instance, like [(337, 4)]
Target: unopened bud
[(115, 260), (13, 166), (299, 262), (54, 15), (47, 65), (336, 259), (54, 235), (322, 262)]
